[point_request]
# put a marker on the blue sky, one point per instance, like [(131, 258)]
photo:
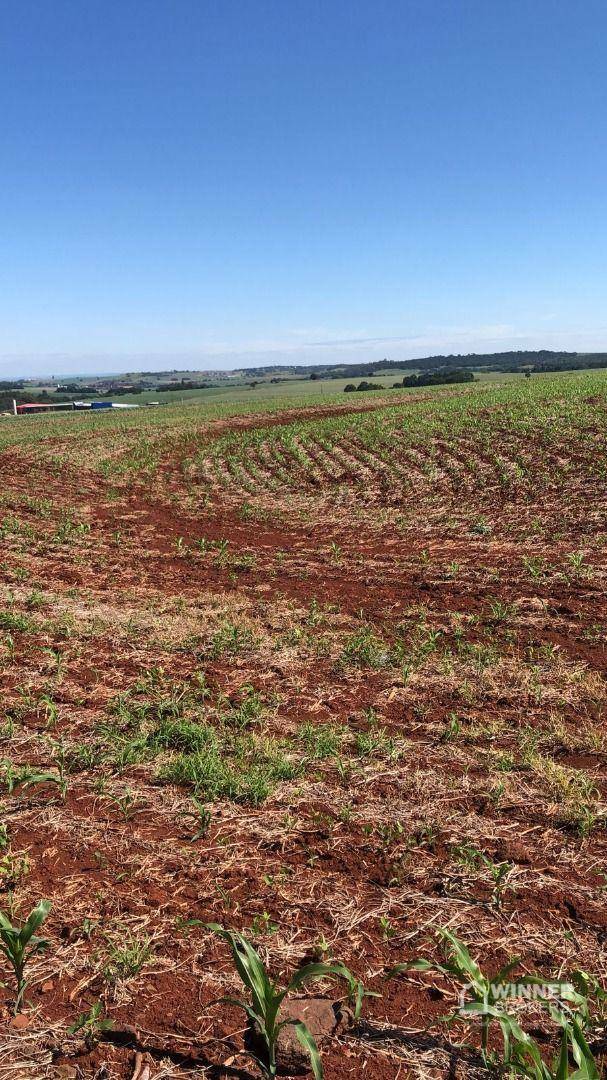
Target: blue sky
[(210, 183)]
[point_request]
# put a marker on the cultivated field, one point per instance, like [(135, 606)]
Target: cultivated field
[(329, 674)]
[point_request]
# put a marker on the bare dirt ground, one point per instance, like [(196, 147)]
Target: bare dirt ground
[(379, 693)]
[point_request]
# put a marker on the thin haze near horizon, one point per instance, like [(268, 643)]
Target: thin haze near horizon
[(202, 184)]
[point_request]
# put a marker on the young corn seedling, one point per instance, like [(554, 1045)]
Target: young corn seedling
[(128, 803), (200, 815), (535, 566), (568, 1003), (266, 997), (222, 552), (483, 993), (27, 777), (19, 943), (572, 1013), (335, 553), (499, 871), (527, 1061), (92, 1025), (452, 729), (60, 758), (578, 563), (13, 868), (48, 708), (578, 1000)]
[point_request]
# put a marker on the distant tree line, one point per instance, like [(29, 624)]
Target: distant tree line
[(574, 362), (503, 361), (434, 378), (76, 388), (185, 384), (362, 386), (514, 361), (115, 391)]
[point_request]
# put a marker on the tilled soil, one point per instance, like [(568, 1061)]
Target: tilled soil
[(403, 700)]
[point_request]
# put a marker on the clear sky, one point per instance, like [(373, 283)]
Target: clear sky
[(214, 182)]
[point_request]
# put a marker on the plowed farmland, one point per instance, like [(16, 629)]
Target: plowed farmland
[(330, 676)]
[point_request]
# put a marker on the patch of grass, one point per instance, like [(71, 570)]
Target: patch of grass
[(365, 649), (574, 791), (126, 955), (23, 624), (248, 711), (376, 743), (186, 735), (231, 640), (322, 740), (244, 769)]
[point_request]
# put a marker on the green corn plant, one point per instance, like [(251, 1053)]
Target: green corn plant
[(569, 1008), (49, 709), (535, 566), (128, 803), (451, 730), (222, 552), (578, 563), (482, 991), (499, 872), (499, 611), (201, 817), (60, 758), (19, 943), (573, 1015), (527, 1061), (588, 993), (267, 997), (27, 777), (13, 867), (91, 1024)]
